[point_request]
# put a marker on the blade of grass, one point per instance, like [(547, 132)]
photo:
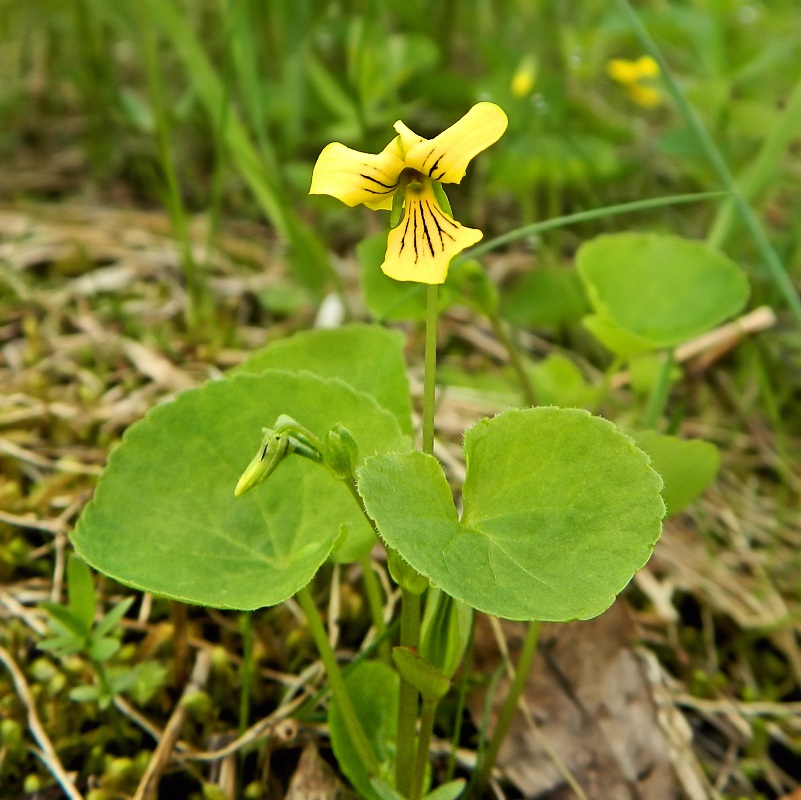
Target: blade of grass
[(764, 166), (775, 267), (310, 262), (195, 283), (585, 216)]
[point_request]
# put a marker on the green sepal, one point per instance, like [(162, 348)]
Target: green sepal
[(421, 674), (341, 454), (396, 214), (442, 198)]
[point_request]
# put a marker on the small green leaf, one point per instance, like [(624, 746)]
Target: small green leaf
[(651, 291), (425, 677), (164, 517), (448, 791), (373, 688), (85, 694), (560, 510), (102, 649), (106, 625), (384, 790), (81, 591), (65, 620), (687, 467), (63, 645)]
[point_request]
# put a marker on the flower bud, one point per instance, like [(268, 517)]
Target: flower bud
[(341, 452)]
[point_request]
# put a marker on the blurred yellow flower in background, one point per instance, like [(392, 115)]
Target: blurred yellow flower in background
[(525, 77), (635, 78)]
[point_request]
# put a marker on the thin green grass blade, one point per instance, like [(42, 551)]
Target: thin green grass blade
[(717, 161), (585, 216), (310, 263), (763, 168)]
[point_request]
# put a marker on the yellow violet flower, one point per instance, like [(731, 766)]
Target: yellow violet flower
[(408, 172), (633, 76)]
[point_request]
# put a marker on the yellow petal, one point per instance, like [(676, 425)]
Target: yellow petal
[(408, 138), (625, 71), (422, 246), (445, 157), (646, 67), (355, 177), (646, 96)]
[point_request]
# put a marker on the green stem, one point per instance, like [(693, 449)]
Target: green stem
[(246, 625), (423, 747), (407, 700), (657, 400), (430, 380), (372, 588), (516, 360), (338, 689), (717, 162), (482, 774)]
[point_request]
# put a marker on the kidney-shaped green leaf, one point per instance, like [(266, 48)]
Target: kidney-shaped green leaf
[(164, 517), (657, 290), (560, 510), (367, 357)]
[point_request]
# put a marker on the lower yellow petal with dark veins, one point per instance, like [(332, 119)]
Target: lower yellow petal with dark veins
[(422, 246), (355, 177)]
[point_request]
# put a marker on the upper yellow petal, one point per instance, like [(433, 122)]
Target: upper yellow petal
[(422, 246), (408, 138), (625, 71), (355, 177), (445, 157)]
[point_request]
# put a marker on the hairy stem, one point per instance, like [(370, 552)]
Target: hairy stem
[(423, 745), (430, 380), (408, 700)]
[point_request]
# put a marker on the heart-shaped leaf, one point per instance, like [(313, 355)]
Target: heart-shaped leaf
[(560, 510), (164, 517), (654, 290), (367, 357)]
